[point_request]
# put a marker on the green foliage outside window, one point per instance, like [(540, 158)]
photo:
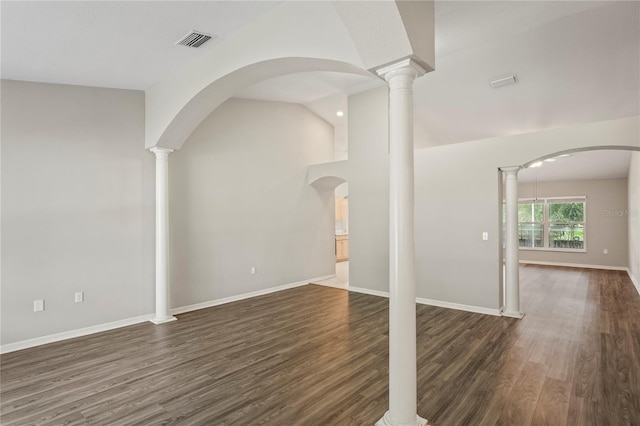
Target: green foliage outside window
[(566, 212), (551, 224)]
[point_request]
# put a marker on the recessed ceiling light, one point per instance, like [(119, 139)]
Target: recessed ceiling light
[(503, 81), (340, 113), (536, 164)]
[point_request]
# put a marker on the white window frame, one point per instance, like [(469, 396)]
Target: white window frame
[(545, 201)]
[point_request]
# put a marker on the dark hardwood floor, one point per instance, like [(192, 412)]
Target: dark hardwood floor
[(318, 356)]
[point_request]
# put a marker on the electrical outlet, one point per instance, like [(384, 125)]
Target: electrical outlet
[(605, 251), (485, 236), (253, 270), (38, 305), (79, 297)]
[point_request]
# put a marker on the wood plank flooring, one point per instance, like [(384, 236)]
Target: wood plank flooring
[(315, 355)]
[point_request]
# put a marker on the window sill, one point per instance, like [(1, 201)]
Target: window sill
[(562, 250)]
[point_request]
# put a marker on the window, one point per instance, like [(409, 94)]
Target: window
[(552, 224), (531, 224)]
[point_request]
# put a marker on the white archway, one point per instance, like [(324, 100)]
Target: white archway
[(510, 257), (218, 91)]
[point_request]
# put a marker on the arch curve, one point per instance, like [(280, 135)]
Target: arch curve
[(328, 182), (581, 149), (221, 89)]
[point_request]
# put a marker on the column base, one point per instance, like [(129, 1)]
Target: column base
[(163, 320), (511, 314), (386, 421)]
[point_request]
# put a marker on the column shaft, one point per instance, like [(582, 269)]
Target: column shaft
[(162, 236), (402, 285), (512, 275)]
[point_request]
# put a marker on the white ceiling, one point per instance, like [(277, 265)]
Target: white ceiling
[(576, 69), (462, 25), (585, 165), (119, 44), (576, 61)]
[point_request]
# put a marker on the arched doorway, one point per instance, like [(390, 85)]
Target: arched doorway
[(574, 208)]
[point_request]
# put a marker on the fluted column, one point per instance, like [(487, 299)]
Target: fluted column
[(162, 314), (512, 275), (402, 281)]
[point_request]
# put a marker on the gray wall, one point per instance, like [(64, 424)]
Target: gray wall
[(77, 208), (604, 228), (239, 199), (369, 190), (453, 263), (634, 216), (457, 199)]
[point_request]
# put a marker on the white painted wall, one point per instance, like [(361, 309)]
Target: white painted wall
[(77, 208), (239, 198), (634, 217), (604, 229)]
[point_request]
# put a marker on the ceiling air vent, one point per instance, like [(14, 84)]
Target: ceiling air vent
[(195, 39)]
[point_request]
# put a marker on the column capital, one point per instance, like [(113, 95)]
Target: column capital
[(511, 169), (160, 152), (405, 66)]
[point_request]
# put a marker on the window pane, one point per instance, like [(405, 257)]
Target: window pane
[(566, 212), (566, 236), (530, 235), (530, 212)]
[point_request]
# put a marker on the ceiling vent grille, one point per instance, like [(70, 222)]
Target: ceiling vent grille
[(194, 39)]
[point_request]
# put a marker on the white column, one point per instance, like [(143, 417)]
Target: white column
[(512, 275), (162, 236), (402, 281)]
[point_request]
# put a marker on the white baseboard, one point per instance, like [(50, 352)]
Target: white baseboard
[(51, 338), (338, 286), (459, 306), (369, 291), (431, 302), (574, 265), (634, 280), (216, 302), (25, 344)]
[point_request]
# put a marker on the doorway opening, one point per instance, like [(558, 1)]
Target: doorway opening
[(342, 235), (578, 208)]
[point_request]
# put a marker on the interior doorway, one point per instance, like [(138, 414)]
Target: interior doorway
[(342, 234), (341, 247), (578, 208)]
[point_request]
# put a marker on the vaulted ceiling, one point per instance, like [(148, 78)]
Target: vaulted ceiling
[(576, 61)]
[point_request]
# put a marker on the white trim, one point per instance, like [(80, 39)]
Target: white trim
[(634, 280), (431, 302), (575, 265), (369, 291), (518, 315), (243, 296), (555, 250), (330, 277), (162, 321), (43, 340), (458, 306), (51, 338), (541, 199)]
